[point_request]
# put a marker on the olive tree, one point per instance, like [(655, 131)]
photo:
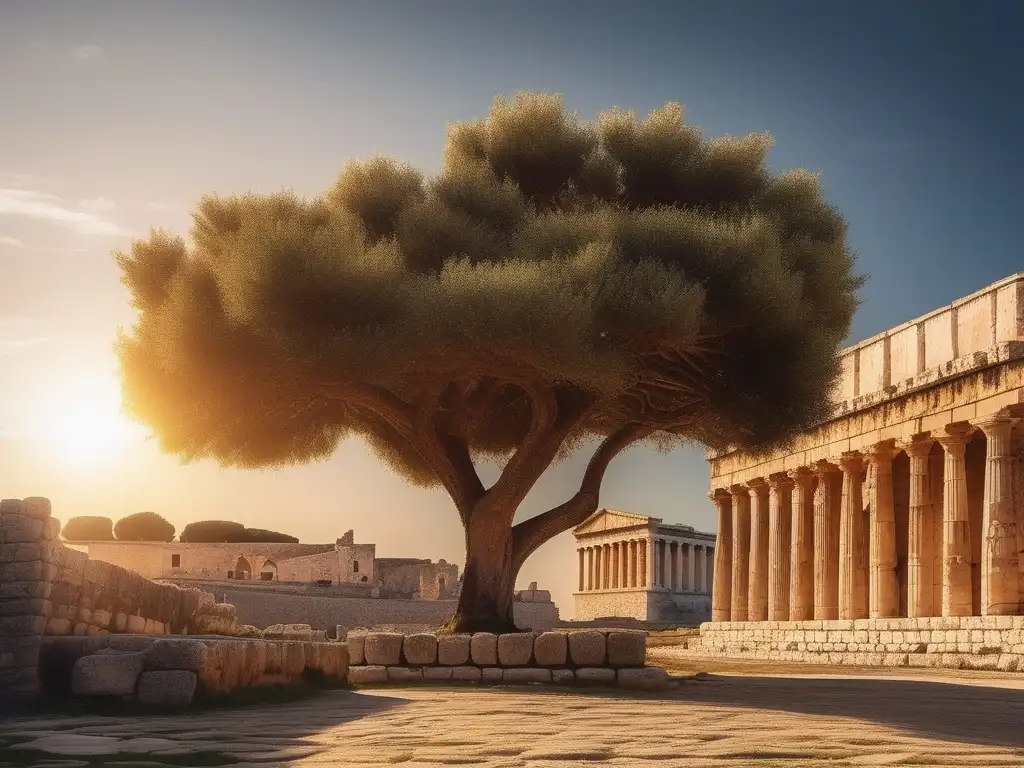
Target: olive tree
[(558, 284)]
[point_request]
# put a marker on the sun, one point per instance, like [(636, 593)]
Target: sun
[(81, 424)]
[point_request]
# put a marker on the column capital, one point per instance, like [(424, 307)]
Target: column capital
[(852, 461), (954, 437), (756, 483), (995, 423), (739, 490), (882, 452), (920, 445), (824, 467), (780, 481), (719, 494), (801, 476)]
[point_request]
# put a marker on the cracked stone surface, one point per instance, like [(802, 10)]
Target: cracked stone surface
[(713, 720)]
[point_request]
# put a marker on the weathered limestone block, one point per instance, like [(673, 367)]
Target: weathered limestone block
[(453, 650), (491, 674), (355, 641), (10, 590), (437, 673), (420, 649), (484, 649), (176, 654), (167, 688), (627, 649), (587, 649), (645, 678), (469, 674), (595, 675), (519, 675), (550, 649), (294, 657), (101, 618), (368, 674), (136, 625), (563, 676), (384, 648), (58, 626), (112, 674), (515, 649), (404, 675)]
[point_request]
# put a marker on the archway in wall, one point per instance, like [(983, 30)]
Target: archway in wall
[(242, 569), (440, 587), (269, 571)]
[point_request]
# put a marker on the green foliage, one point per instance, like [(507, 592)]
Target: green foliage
[(224, 531), (88, 528), (144, 526), (642, 273)]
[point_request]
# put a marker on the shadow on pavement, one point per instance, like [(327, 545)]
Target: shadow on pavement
[(974, 714)]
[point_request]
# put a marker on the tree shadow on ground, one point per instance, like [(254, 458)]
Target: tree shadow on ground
[(976, 714)]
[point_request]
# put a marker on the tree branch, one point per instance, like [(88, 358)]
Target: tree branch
[(536, 452), (528, 535)]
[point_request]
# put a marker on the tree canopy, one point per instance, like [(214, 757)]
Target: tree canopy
[(225, 531), (88, 528), (559, 280), (144, 526)]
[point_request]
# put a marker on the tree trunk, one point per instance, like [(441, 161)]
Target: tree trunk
[(488, 581)]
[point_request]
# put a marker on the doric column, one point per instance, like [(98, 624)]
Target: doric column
[(709, 569), (693, 567), (853, 577), (740, 551), (826, 544), (630, 556), (579, 556), (801, 567), (649, 562), (590, 568), (757, 603), (780, 489), (617, 571), (956, 531), (883, 588), (1000, 570), (607, 566), (920, 530), (675, 560)]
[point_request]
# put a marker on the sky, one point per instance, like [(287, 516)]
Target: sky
[(118, 116)]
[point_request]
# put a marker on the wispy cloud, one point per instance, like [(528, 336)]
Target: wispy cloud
[(12, 241), (86, 52), (39, 205), (98, 205), (16, 345)]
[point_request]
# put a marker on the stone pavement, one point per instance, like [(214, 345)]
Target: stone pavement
[(718, 720)]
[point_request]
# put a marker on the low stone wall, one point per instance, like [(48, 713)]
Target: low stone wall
[(968, 642), (566, 658), (173, 671), (263, 608), (49, 589)]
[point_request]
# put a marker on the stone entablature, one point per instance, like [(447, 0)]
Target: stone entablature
[(908, 502), (637, 566)]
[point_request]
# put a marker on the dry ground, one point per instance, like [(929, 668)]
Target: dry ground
[(733, 714)]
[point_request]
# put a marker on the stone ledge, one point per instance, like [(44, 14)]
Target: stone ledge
[(638, 678)]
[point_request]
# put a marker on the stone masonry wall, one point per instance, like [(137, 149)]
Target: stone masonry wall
[(49, 589), (965, 642), (262, 609)]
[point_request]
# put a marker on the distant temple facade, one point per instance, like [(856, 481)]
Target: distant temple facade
[(635, 566)]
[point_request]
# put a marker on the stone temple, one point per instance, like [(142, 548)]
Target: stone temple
[(901, 514), (634, 566)]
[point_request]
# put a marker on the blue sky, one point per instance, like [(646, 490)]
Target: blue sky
[(118, 115)]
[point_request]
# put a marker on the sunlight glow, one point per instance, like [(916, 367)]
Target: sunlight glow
[(79, 422)]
